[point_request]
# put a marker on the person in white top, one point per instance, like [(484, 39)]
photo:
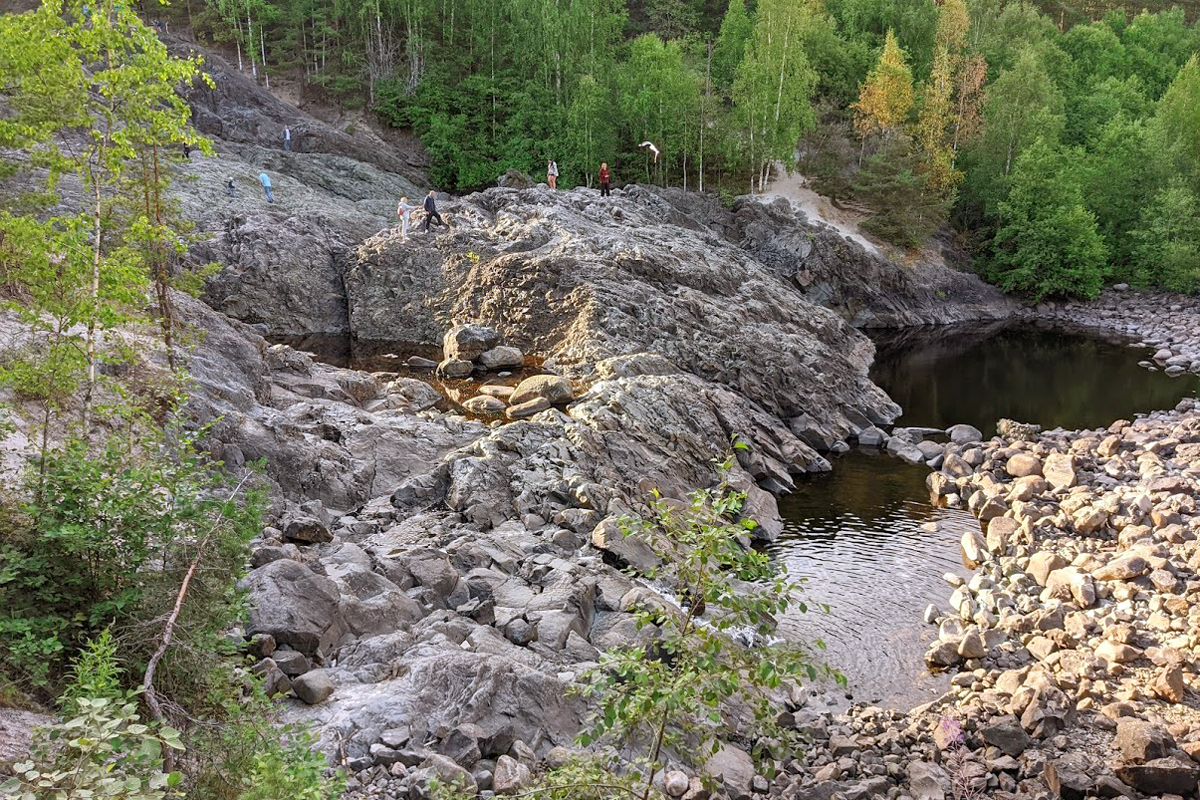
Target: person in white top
[(552, 173), (404, 212)]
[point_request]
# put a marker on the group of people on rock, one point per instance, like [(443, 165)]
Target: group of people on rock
[(605, 176), (405, 209)]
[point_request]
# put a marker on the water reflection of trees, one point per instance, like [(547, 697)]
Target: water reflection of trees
[(1046, 377)]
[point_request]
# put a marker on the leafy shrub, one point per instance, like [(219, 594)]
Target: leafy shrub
[(673, 691), (104, 751)]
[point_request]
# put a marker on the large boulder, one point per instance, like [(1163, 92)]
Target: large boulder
[(1162, 776), (296, 606), (1139, 741), (468, 342)]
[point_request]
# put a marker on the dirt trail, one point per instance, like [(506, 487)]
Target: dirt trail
[(818, 208)]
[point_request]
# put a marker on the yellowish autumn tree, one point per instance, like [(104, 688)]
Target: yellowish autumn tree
[(952, 26), (934, 125), (886, 97)]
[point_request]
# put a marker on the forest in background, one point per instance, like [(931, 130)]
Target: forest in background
[(1059, 139)]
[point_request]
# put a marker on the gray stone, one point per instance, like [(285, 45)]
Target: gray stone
[(455, 368), (553, 388), (964, 434), (927, 781), (510, 776), (297, 607), (443, 771), (307, 530), (1007, 734), (313, 686), (872, 437), (502, 358), (468, 342), (732, 767)]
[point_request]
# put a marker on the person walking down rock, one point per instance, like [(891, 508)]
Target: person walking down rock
[(266, 184), (552, 174), (431, 212), (229, 190), (605, 177), (287, 138), (404, 212)]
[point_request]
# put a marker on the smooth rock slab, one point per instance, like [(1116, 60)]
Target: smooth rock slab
[(523, 410), (554, 388), (484, 404)]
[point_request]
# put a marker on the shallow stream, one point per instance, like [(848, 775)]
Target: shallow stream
[(865, 535)]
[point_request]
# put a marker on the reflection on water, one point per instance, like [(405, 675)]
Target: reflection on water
[(862, 534), (857, 535), (978, 375)]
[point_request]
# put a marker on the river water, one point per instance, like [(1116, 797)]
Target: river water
[(865, 537)]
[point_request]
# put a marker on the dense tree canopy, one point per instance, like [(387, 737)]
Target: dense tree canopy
[(725, 88)]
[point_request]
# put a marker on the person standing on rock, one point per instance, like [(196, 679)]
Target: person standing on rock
[(552, 174), (431, 212), (404, 212), (287, 138), (265, 180), (605, 177), (229, 190)]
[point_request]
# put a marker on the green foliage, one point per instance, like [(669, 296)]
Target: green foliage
[(1048, 244), (288, 767), (102, 538), (1168, 243), (103, 751), (95, 673), (893, 184), (672, 691)]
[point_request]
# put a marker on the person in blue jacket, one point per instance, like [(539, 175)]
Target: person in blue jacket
[(266, 184)]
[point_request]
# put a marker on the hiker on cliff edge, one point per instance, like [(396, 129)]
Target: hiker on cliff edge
[(605, 176), (552, 173)]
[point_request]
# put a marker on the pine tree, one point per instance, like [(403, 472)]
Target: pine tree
[(893, 184)]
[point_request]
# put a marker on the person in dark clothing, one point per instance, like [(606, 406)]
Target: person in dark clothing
[(431, 212), (229, 190), (605, 177)]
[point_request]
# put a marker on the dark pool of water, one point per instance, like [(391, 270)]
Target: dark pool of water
[(866, 536), (941, 377)]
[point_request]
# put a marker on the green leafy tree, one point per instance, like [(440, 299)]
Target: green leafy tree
[(730, 47), (887, 96), (103, 751), (1175, 128), (1048, 244), (659, 94), (1168, 243), (1158, 44), (773, 88), (1116, 189)]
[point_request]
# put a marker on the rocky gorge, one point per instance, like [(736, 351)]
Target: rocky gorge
[(437, 574)]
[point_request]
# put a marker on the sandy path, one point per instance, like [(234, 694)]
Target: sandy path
[(818, 208)]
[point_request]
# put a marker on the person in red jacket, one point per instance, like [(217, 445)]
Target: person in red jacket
[(605, 177)]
